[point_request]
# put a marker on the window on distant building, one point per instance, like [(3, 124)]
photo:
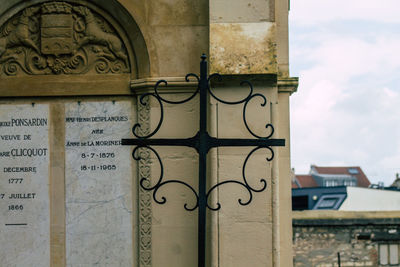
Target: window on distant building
[(329, 202), (349, 183), (329, 183), (388, 254), (393, 254), (300, 203), (353, 171)]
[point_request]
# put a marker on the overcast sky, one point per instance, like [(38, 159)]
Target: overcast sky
[(346, 111)]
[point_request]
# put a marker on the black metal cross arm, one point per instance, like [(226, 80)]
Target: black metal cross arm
[(208, 142), (189, 142), (236, 142)]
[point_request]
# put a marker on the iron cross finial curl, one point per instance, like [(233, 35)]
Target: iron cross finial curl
[(202, 142)]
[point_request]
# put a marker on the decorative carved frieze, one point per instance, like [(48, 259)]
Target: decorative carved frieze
[(60, 38), (145, 210)]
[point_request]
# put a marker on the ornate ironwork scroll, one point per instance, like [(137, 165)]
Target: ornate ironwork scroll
[(60, 38), (202, 142)]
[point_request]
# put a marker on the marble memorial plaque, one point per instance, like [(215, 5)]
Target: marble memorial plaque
[(24, 185), (98, 184)]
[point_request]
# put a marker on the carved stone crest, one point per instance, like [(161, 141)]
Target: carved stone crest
[(60, 38)]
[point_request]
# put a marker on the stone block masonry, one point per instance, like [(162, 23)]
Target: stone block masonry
[(361, 240)]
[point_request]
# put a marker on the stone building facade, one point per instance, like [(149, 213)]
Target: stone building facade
[(320, 238), (73, 74)]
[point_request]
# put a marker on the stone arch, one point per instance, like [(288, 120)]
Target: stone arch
[(134, 31), (70, 37)]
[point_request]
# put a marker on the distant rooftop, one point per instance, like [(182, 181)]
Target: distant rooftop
[(331, 176), (304, 181)]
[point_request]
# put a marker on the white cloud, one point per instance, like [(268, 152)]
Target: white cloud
[(347, 108), (348, 57), (307, 12)]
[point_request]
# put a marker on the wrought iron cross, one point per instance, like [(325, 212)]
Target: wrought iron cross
[(202, 142)]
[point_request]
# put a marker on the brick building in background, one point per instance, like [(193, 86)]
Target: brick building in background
[(331, 176), (340, 217)]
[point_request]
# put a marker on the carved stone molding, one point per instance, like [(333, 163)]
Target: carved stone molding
[(145, 211), (175, 85), (60, 38), (288, 85)]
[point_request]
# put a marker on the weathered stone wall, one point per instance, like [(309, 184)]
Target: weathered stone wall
[(82, 58), (319, 237)]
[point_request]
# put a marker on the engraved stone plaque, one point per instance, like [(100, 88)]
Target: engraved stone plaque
[(24, 185), (98, 184)]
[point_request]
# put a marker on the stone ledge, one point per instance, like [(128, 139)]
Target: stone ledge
[(180, 85), (288, 85), (65, 85), (345, 222), (334, 217), (175, 85)]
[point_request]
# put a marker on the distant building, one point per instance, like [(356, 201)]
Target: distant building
[(330, 177), (345, 198), (396, 183), (344, 225), (359, 238)]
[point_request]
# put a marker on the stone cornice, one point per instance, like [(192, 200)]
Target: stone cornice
[(180, 85), (311, 215), (288, 85), (175, 85)]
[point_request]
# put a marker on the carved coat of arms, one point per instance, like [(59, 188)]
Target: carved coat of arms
[(60, 38)]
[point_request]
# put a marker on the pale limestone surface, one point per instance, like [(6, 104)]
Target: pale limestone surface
[(174, 229), (244, 232), (26, 244), (241, 11), (243, 48), (99, 218)]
